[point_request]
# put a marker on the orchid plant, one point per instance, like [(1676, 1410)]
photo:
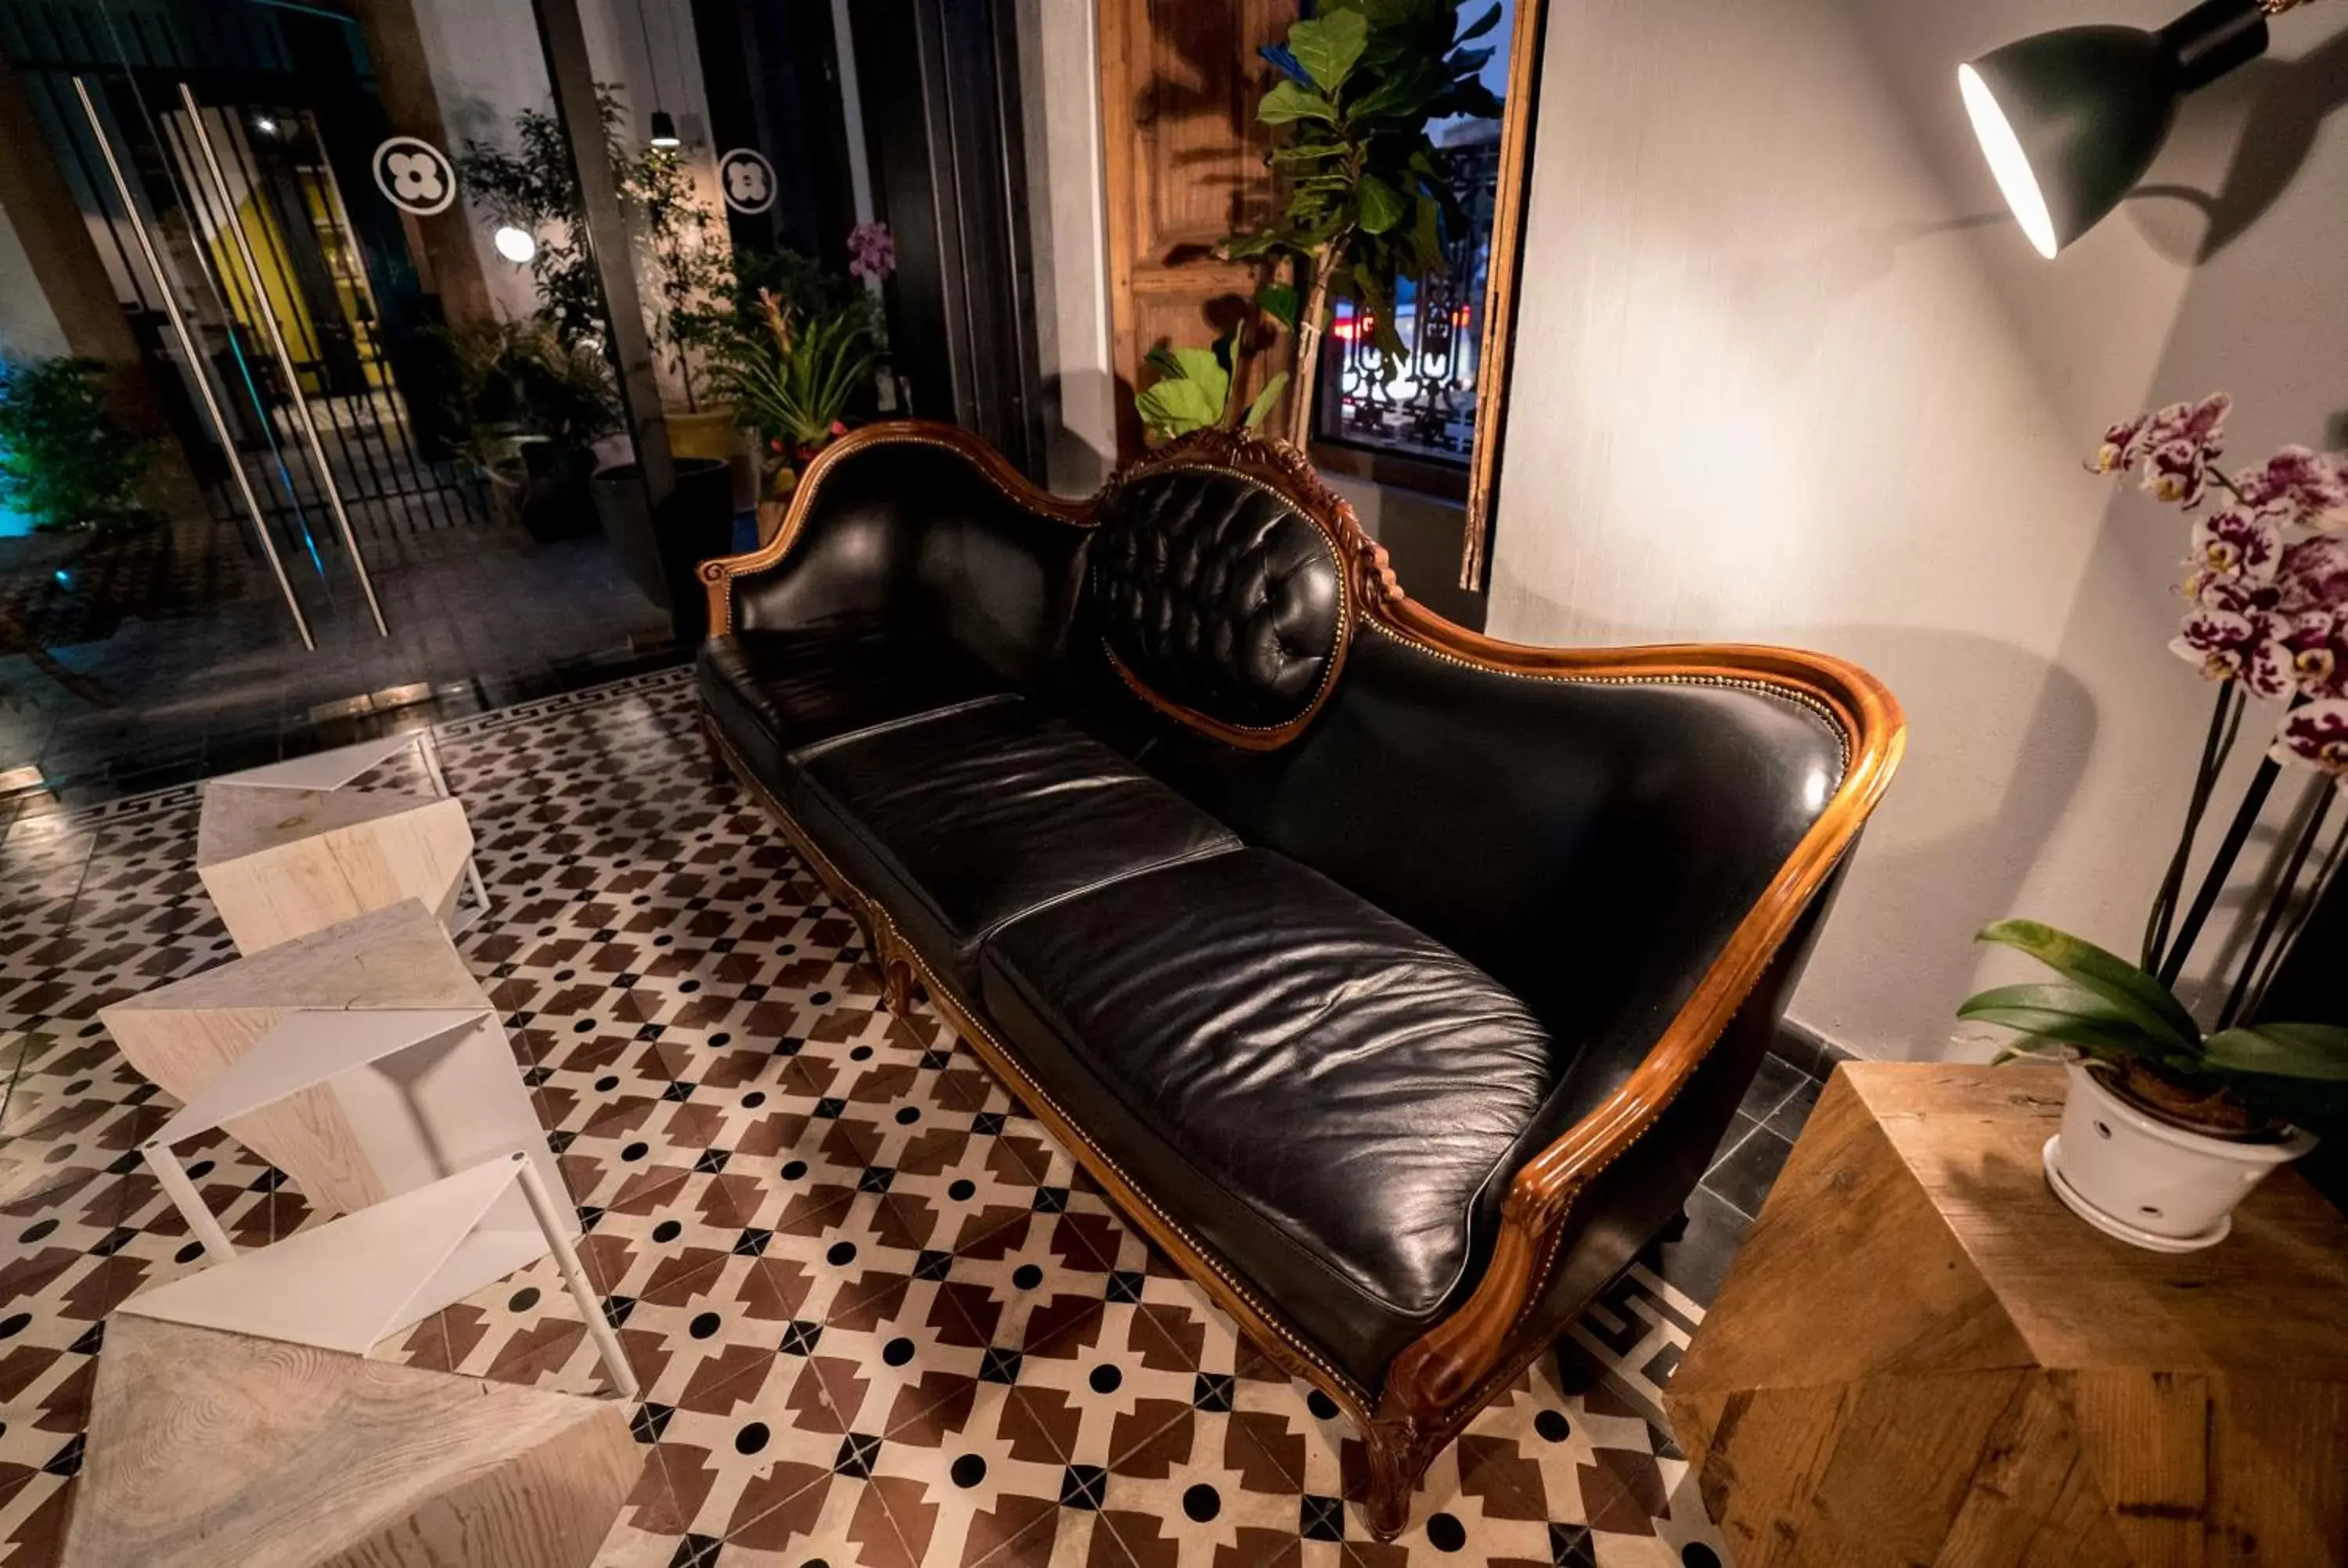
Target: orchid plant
[(2266, 616)]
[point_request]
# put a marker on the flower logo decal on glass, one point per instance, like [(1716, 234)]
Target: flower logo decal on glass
[(415, 176), (748, 180)]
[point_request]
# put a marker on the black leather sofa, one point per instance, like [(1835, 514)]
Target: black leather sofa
[(1395, 981)]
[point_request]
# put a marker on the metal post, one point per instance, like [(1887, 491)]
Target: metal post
[(566, 1257), (567, 67), (188, 1202), (195, 364), (427, 750), (260, 307)]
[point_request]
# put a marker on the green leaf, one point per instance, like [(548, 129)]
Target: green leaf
[(1261, 409), (2281, 1051), (1204, 366), (1161, 359), (1177, 406), (1287, 103), (2090, 1034), (1328, 46), (2152, 1004), (2096, 1015), (1404, 94), (1279, 301), (1383, 206), (1480, 26)]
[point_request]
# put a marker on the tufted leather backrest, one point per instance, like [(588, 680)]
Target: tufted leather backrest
[(1219, 600)]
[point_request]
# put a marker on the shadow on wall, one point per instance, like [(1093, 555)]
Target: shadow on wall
[(2268, 114), (1993, 765), (1783, 304)]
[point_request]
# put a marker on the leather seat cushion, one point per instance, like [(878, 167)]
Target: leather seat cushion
[(1329, 1100), (959, 822), (775, 693)]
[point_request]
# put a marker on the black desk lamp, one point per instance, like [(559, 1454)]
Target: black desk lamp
[(2070, 120)]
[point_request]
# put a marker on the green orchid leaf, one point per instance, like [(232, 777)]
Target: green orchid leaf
[(2153, 1005), (1287, 103), (2092, 1035), (1383, 206), (1261, 409), (2107, 1020), (2314, 1050), (1279, 301), (1328, 46)]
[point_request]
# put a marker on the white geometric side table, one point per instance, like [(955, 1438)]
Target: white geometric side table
[(351, 1283), (329, 1136), (473, 1185), (286, 849)]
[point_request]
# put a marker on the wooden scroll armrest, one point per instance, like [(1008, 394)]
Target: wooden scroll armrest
[(1447, 1362), (1451, 1358)]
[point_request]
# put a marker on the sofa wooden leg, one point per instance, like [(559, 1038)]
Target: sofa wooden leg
[(897, 986), (719, 773), (1395, 1464)]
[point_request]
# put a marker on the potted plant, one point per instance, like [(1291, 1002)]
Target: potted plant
[(793, 386), (2167, 1125), (529, 408), (1368, 193), (692, 284), (65, 461)]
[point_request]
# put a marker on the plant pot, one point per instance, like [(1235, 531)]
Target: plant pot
[(710, 432), (554, 502), (2148, 1179), (660, 557)]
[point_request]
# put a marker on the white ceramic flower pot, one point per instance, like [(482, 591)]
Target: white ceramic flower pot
[(2149, 1181)]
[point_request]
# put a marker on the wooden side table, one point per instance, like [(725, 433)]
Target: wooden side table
[(357, 1138), (286, 849), (218, 1450), (1921, 1356)]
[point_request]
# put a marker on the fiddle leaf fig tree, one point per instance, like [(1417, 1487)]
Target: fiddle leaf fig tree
[(1368, 198)]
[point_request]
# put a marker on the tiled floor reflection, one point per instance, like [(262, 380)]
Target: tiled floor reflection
[(880, 1318), (181, 661)]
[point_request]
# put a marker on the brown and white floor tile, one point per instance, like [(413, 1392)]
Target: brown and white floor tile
[(879, 1318)]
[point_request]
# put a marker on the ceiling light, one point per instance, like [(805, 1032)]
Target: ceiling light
[(515, 245), (665, 129)]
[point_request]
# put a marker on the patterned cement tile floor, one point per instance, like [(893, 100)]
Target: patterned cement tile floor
[(880, 1317)]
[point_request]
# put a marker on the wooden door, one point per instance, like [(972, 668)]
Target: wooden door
[(1184, 162)]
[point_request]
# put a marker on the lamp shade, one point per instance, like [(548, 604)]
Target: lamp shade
[(2070, 120), (665, 129)]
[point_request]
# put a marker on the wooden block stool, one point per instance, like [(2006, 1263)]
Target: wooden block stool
[(349, 1143), (1922, 1357), (287, 849), (210, 1450)]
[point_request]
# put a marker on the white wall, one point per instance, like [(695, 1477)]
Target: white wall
[(1786, 372), (1068, 234)]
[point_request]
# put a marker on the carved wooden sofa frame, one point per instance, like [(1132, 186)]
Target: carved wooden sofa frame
[(1437, 1385)]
